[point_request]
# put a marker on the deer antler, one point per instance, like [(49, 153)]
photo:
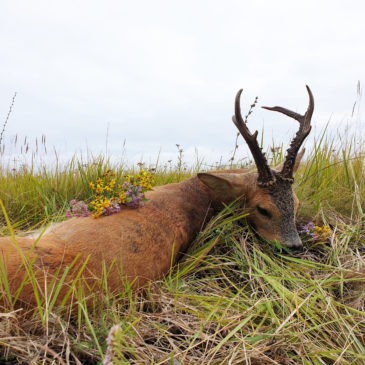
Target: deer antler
[(266, 176), (304, 129)]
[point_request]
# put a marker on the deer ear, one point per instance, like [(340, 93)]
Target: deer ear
[(225, 184), (279, 167)]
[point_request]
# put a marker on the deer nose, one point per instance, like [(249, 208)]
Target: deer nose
[(296, 244), (293, 241), (297, 248)]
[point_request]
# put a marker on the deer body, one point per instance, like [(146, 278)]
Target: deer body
[(140, 245), (137, 244)]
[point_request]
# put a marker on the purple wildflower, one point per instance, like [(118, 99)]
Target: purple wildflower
[(308, 228), (85, 211), (78, 209), (134, 203), (115, 208)]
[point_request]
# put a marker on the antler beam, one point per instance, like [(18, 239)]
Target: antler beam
[(304, 129), (266, 176)]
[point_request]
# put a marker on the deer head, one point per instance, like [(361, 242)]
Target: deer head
[(267, 193)]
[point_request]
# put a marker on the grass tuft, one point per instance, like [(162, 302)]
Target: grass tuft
[(232, 298)]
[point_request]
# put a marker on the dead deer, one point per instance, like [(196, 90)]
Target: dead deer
[(139, 245)]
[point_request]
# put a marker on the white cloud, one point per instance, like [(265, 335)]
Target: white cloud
[(166, 72)]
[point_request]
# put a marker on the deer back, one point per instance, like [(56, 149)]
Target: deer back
[(136, 245)]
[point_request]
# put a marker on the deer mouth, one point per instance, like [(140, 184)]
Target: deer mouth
[(297, 246), (293, 242)]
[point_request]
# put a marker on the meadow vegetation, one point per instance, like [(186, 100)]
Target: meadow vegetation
[(232, 299)]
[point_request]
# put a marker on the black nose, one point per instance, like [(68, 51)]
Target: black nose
[(297, 248)]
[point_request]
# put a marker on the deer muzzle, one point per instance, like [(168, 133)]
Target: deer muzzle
[(294, 242)]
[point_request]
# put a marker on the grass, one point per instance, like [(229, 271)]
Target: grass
[(233, 299)]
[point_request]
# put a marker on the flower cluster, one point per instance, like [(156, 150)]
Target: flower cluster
[(133, 189), (109, 195), (323, 233), (77, 209), (316, 232)]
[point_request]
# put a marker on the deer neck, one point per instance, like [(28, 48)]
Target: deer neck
[(186, 205)]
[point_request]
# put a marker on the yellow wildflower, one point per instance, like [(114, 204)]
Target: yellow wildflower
[(122, 196), (99, 189), (323, 232)]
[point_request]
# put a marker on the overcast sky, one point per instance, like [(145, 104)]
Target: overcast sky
[(157, 73)]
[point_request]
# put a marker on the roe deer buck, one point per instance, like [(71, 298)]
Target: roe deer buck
[(140, 244)]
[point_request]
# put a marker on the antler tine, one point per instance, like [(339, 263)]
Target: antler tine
[(304, 129), (266, 176)]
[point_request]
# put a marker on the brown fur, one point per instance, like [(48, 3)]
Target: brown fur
[(137, 245)]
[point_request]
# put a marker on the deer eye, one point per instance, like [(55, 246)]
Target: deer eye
[(263, 212)]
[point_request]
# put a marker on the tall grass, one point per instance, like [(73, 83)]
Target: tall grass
[(232, 299), (32, 196)]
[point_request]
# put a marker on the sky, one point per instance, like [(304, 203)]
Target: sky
[(135, 78)]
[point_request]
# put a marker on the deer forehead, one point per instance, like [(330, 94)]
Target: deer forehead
[(282, 195)]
